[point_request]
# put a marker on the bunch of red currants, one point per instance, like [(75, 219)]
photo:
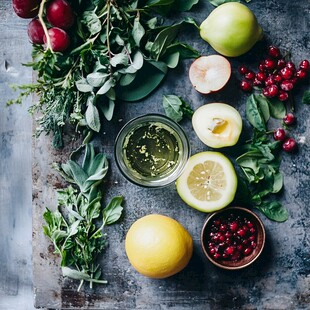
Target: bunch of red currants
[(59, 18), (276, 76)]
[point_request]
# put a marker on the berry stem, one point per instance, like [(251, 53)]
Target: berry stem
[(40, 16)]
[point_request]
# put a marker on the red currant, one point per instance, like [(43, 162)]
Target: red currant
[(305, 65), (301, 74), (250, 75), (273, 90), (274, 51), (281, 64), (287, 85), (279, 134), (270, 64), (289, 119), (246, 86), (283, 95), (289, 145), (261, 76), (243, 70), (290, 65), (286, 73)]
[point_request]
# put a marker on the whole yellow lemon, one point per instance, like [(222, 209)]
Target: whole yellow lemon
[(158, 246)]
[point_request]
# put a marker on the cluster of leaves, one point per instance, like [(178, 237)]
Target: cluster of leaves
[(76, 227), (120, 50), (260, 160), (176, 108), (219, 2)]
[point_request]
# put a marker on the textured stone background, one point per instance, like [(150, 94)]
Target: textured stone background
[(278, 280)]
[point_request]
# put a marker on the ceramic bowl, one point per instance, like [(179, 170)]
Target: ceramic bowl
[(220, 231)]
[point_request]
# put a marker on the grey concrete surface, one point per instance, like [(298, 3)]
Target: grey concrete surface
[(16, 290), (279, 280)]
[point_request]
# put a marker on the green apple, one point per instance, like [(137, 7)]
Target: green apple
[(217, 124), (231, 29), (209, 73)]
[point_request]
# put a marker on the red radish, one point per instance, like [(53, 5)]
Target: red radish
[(209, 73), (26, 8), (35, 32), (60, 14), (60, 40)]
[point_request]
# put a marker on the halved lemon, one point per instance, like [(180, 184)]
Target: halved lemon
[(209, 182)]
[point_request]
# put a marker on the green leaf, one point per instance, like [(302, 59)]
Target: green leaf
[(96, 79), (172, 106), (83, 86), (92, 116), (75, 274), (126, 79), (146, 80), (185, 5), (219, 2), (137, 60), (274, 211), (119, 59), (80, 176), (277, 182), (137, 31), (172, 60), (107, 109), (306, 97), (106, 87), (185, 50), (263, 106), (277, 108), (88, 157), (254, 115), (113, 211), (92, 22)]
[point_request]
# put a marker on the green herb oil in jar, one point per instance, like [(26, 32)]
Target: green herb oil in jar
[(152, 150)]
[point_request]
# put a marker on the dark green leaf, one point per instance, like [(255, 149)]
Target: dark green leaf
[(263, 106), (277, 108), (306, 97), (88, 157), (274, 211), (185, 50), (254, 115), (137, 31), (172, 105), (172, 60), (147, 79), (126, 79), (185, 5)]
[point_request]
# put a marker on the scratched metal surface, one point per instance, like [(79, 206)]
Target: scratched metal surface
[(278, 280)]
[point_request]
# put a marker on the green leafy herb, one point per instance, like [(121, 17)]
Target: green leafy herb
[(219, 2), (76, 227), (176, 108), (260, 159), (114, 46), (306, 97)]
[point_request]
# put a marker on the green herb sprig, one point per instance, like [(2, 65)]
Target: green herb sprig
[(120, 50), (76, 227)]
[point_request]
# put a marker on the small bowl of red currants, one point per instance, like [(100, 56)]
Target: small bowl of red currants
[(233, 238)]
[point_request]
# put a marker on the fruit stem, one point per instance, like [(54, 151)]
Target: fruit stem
[(40, 16)]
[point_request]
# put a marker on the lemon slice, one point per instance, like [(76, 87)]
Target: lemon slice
[(209, 182)]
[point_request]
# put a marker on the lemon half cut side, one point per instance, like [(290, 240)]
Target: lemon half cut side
[(208, 182)]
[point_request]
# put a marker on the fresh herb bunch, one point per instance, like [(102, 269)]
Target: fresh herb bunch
[(176, 108), (76, 227), (120, 50), (260, 159)]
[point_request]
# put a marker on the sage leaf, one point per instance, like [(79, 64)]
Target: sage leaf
[(219, 2), (80, 176), (146, 80), (83, 86), (88, 158), (118, 59), (137, 31), (108, 109), (113, 211), (137, 61), (106, 87), (75, 274), (126, 79), (96, 79), (92, 22), (92, 116)]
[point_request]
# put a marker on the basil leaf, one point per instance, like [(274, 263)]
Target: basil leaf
[(263, 106), (277, 108), (274, 211), (253, 114)]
